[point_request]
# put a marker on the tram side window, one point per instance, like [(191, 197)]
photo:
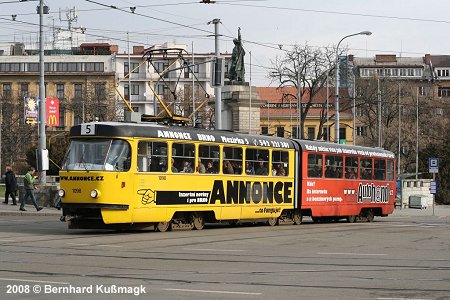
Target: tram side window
[(379, 168), (351, 167), (280, 163), (390, 170), (232, 160), (256, 161), (314, 165), (152, 156), (183, 157), (333, 166), (208, 157), (365, 170)]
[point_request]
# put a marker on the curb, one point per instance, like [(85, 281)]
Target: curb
[(30, 213)]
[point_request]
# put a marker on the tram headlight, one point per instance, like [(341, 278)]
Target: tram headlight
[(95, 193), (61, 193)]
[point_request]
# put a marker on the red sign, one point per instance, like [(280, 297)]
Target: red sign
[(52, 110)]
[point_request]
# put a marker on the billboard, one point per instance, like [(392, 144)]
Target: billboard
[(52, 110), (30, 115)]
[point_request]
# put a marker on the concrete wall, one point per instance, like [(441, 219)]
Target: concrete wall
[(416, 187)]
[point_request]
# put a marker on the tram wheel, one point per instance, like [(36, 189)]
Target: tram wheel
[(199, 221), (163, 226), (272, 221), (297, 218), (370, 216), (351, 219)]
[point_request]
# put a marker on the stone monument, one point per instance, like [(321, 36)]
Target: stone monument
[(241, 102)]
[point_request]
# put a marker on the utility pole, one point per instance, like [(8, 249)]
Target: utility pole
[(42, 150), (217, 89), (379, 115)]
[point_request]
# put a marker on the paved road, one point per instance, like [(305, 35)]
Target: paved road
[(404, 256)]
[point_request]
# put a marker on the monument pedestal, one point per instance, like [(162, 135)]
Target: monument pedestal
[(238, 114)]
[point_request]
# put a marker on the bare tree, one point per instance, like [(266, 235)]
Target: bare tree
[(307, 68)]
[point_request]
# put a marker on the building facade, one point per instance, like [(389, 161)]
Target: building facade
[(280, 116)]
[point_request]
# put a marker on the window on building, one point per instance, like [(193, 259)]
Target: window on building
[(94, 67), (326, 133), (342, 133), (126, 92), (444, 92), (280, 131), (360, 111), (294, 132), (311, 133), (160, 67), (60, 91), (23, 90), (100, 90), (135, 89), (264, 130), (7, 93), (78, 90), (33, 67), (361, 130), (443, 72), (152, 156), (160, 89), (126, 68), (134, 67), (424, 91), (62, 117)]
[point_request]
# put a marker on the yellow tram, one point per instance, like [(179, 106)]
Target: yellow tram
[(138, 175)]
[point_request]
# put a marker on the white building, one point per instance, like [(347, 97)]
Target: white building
[(177, 79)]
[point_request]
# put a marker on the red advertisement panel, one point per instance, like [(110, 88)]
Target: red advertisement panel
[(52, 109)]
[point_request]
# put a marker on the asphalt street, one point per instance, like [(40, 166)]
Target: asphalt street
[(403, 256)]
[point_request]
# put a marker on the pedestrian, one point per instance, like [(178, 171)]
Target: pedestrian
[(29, 186), (10, 185)]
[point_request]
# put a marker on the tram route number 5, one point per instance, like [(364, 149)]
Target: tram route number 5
[(87, 129)]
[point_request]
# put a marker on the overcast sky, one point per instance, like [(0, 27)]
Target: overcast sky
[(406, 27)]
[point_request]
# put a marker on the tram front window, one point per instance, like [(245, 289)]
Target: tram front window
[(98, 155)]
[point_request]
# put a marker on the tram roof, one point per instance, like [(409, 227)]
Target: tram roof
[(332, 148), (154, 130)]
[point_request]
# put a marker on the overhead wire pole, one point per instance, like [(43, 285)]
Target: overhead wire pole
[(217, 89), (42, 102), (337, 125)]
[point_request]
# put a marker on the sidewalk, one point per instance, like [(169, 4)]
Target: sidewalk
[(13, 210), (441, 211)]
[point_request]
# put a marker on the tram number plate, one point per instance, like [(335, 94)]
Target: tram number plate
[(76, 191), (87, 129)]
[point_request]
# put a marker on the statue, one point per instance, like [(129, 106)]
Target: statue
[(237, 68)]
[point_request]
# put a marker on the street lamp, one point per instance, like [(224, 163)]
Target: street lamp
[(336, 125)]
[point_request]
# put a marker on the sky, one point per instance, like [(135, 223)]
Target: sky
[(402, 27)]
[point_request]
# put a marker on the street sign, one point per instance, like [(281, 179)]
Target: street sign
[(433, 165), (433, 187)]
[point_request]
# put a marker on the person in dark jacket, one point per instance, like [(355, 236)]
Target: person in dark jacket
[(10, 186)]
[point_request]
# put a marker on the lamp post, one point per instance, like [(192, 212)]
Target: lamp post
[(336, 125)]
